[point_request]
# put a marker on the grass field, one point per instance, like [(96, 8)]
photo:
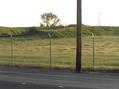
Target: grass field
[(34, 51), (106, 52)]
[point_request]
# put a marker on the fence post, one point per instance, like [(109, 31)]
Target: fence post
[(93, 50), (12, 51), (50, 48)]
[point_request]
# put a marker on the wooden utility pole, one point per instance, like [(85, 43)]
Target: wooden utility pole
[(78, 50)]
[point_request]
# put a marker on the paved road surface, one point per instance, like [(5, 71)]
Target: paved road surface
[(16, 85), (50, 79)]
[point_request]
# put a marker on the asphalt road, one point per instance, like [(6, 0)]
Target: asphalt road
[(16, 85), (50, 79)]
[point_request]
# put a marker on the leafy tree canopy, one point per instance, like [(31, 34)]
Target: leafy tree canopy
[(49, 20)]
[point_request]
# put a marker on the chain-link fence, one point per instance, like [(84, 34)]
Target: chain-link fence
[(98, 53), (34, 51), (101, 53)]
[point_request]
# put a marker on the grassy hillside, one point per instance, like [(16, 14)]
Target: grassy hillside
[(5, 31), (43, 33), (102, 30), (60, 32)]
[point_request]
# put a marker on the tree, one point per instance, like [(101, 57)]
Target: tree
[(50, 20)]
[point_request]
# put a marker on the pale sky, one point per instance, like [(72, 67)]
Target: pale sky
[(27, 12)]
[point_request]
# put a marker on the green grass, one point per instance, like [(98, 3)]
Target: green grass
[(106, 52), (31, 47), (60, 32), (34, 51)]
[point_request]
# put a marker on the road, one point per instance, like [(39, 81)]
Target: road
[(52, 79)]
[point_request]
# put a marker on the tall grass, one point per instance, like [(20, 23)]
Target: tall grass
[(34, 51), (31, 47)]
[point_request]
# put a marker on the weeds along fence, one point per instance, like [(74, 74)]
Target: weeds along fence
[(35, 51)]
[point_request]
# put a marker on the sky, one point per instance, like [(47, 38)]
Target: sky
[(24, 13)]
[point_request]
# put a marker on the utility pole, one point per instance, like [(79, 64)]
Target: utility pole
[(78, 50)]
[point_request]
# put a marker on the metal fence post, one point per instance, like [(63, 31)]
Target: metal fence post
[(12, 51), (93, 50), (50, 48)]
